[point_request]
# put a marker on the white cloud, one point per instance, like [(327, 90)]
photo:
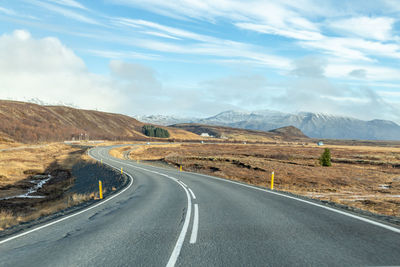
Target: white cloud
[(369, 72), (69, 3), (291, 33), (309, 67), (313, 91), (389, 94), (245, 90), (65, 12), (166, 31), (7, 11), (48, 70), (358, 73), (353, 48), (302, 20), (160, 34), (379, 28), (138, 78), (112, 54), (220, 50), (272, 17)]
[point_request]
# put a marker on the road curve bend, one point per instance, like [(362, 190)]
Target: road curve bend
[(171, 218)]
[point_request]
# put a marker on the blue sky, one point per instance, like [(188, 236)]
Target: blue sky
[(198, 58)]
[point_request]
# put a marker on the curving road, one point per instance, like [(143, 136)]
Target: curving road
[(165, 217)]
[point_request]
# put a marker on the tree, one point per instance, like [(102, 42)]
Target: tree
[(325, 159), (152, 131)]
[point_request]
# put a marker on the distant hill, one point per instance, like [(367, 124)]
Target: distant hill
[(289, 131), (286, 133), (28, 122), (314, 125)]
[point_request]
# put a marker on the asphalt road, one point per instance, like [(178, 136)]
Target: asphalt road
[(166, 217)]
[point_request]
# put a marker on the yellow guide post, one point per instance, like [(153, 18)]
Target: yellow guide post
[(180, 168), (122, 171), (272, 180), (101, 161), (100, 190)]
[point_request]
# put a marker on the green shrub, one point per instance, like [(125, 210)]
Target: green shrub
[(153, 131), (325, 159)]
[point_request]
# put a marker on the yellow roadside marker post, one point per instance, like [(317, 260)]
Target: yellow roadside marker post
[(100, 190), (122, 171), (180, 168), (272, 180), (101, 161)]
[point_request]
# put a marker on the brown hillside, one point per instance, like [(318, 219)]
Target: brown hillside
[(27, 122), (286, 133), (289, 131)]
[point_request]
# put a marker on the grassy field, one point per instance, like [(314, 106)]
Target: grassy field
[(15, 164), (361, 176), (19, 165)]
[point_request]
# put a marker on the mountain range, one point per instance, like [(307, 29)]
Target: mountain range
[(24, 122), (315, 125)]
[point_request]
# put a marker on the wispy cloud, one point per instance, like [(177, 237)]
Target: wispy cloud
[(378, 28), (231, 50), (353, 48), (164, 30), (66, 12), (192, 43), (112, 54), (7, 11), (369, 72), (69, 3), (329, 56), (160, 34), (272, 17), (291, 33)]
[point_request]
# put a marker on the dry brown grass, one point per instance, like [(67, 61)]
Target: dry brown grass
[(182, 134), (119, 151), (9, 218), (16, 165), (356, 171)]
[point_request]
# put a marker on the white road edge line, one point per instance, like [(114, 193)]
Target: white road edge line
[(396, 230), (191, 192), (179, 182), (178, 246), (183, 183), (73, 215), (387, 227), (195, 229)]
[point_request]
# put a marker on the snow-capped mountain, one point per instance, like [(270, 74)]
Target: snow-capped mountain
[(164, 120), (315, 125)]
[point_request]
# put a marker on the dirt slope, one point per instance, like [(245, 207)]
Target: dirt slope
[(27, 122)]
